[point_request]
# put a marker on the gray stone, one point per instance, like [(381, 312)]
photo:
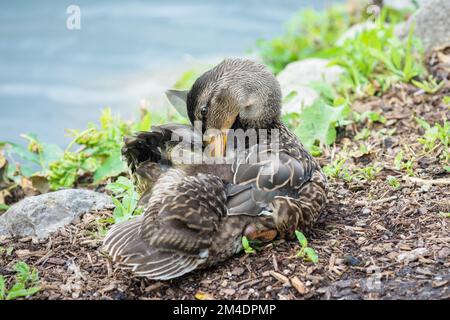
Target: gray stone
[(404, 4), (38, 216), (412, 255), (432, 24), (299, 75)]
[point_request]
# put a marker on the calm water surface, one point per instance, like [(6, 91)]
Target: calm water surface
[(52, 78)]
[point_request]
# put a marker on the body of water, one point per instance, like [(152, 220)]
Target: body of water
[(52, 78)]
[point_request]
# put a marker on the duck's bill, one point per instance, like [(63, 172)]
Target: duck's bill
[(216, 145)]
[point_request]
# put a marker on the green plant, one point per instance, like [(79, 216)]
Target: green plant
[(26, 283), (435, 136), (401, 163), (430, 86), (125, 199), (246, 245), (393, 182), (335, 169), (93, 154), (305, 252), (370, 116), (375, 59), (446, 100), (367, 173), (317, 123), (363, 134), (309, 33)]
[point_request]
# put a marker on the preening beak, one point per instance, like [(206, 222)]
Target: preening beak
[(217, 144)]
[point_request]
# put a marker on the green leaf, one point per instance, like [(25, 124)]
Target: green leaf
[(446, 100), (301, 239), (121, 185), (317, 124), (23, 271), (18, 290), (2, 288), (113, 166), (246, 245), (50, 153), (311, 255)]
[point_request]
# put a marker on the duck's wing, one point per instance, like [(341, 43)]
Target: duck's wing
[(285, 185), (154, 145), (174, 234), (149, 153)]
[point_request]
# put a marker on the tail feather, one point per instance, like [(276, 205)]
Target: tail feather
[(127, 248)]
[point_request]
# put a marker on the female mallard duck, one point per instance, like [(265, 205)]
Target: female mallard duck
[(196, 214)]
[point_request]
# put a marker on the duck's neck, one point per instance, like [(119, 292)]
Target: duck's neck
[(282, 132)]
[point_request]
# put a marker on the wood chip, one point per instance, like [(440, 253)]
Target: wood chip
[(283, 279), (299, 286)]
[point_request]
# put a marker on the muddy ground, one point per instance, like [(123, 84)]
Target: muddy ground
[(373, 241)]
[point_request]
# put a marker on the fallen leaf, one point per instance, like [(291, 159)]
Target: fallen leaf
[(203, 296)]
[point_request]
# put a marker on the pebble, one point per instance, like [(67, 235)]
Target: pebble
[(229, 292), (238, 271), (443, 253), (412, 255), (351, 261)]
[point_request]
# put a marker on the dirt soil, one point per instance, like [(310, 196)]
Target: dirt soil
[(373, 241)]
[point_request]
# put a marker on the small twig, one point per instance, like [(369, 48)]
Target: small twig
[(443, 181), (283, 279), (275, 263)]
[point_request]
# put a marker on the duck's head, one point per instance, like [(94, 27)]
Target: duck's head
[(236, 93)]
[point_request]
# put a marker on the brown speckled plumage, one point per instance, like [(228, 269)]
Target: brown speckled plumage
[(195, 215)]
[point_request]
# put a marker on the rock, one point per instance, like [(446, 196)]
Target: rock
[(351, 261), (228, 292), (432, 24), (444, 253), (238, 271), (38, 216), (412, 255), (299, 75), (404, 4), (304, 98)]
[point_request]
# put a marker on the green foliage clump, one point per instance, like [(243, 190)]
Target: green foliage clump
[(308, 34), (373, 60), (316, 124), (393, 182), (93, 154), (406, 164), (125, 199), (430, 85), (25, 285), (436, 137), (376, 59)]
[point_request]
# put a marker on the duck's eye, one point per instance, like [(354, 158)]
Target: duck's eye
[(204, 111)]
